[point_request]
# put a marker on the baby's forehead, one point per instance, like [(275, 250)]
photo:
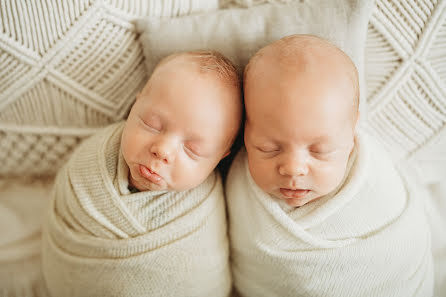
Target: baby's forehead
[(317, 58), (320, 64), (297, 52)]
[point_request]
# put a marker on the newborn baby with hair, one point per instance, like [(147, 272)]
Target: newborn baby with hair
[(139, 210), (316, 208)]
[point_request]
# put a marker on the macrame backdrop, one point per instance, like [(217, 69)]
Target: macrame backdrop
[(68, 67)]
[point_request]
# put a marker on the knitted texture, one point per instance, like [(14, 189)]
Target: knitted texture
[(67, 67), (150, 243), (406, 82), (369, 238)]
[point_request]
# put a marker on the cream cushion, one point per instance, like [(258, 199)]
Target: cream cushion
[(238, 32)]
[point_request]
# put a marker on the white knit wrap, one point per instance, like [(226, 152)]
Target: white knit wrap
[(101, 240), (369, 239)]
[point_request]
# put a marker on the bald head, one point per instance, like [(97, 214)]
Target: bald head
[(202, 69), (298, 55)]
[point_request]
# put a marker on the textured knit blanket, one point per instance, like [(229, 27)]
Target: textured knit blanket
[(101, 240), (369, 238)]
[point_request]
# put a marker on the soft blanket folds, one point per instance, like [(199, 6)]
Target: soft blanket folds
[(101, 240), (370, 238)]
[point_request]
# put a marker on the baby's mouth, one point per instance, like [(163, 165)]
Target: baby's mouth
[(294, 193), (150, 175)]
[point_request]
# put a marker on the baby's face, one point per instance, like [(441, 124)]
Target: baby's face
[(299, 134), (179, 129)]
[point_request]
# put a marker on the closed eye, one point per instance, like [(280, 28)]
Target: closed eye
[(267, 150), (321, 152), (322, 149), (150, 127), (191, 153)]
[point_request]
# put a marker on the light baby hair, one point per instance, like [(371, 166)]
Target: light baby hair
[(209, 60)]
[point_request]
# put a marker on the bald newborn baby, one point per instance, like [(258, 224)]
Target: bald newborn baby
[(315, 207), (139, 210)]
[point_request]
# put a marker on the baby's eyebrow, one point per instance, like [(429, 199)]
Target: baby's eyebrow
[(151, 113), (194, 137), (201, 151), (149, 117), (262, 138), (321, 138), (193, 142)]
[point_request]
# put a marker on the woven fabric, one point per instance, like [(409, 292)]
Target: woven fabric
[(99, 239), (66, 68), (368, 238)]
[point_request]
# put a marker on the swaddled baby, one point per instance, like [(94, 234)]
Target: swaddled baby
[(138, 209), (316, 208)]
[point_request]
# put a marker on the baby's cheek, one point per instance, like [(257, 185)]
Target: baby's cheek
[(262, 172), (132, 143), (127, 148), (188, 174), (329, 175)]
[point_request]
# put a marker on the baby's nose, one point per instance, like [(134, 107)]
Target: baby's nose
[(294, 166), (163, 151)]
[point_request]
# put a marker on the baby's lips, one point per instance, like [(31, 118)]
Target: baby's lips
[(149, 174), (297, 193)]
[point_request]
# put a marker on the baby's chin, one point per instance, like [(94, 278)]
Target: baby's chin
[(147, 185), (295, 199), (296, 202)]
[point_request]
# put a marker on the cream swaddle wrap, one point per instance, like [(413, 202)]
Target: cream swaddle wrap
[(101, 240), (369, 239)]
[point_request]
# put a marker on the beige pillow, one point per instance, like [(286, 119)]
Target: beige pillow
[(238, 32)]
